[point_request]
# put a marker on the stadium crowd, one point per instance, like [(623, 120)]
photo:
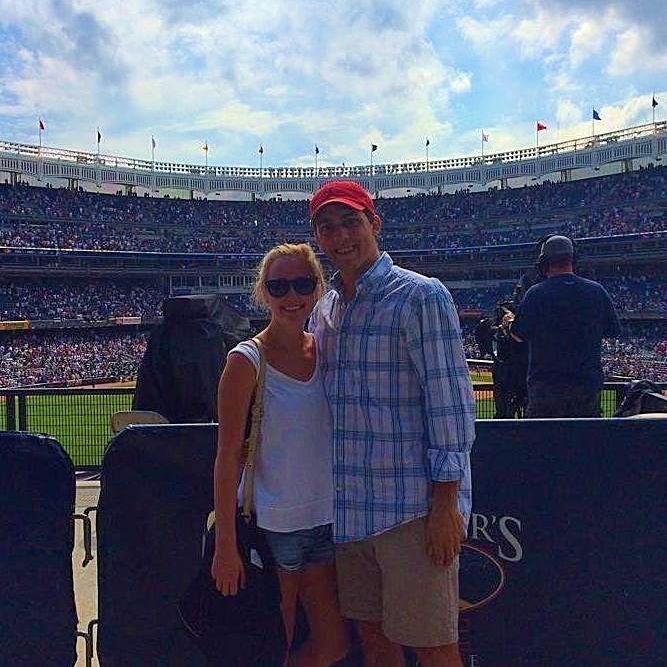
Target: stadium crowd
[(76, 300), (35, 358), (56, 218), (97, 299)]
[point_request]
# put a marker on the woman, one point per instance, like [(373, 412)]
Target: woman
[(293, 496)]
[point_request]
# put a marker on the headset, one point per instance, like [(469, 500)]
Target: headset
[(542, 261)]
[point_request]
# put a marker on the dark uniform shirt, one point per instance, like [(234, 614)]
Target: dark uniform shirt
[(564, 320)]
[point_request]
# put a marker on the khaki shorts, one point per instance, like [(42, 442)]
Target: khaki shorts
[(389, 579)]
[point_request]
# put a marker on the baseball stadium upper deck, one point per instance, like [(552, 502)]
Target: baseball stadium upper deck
[(640, 142)]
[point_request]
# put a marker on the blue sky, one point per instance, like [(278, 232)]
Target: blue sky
[(342, 74)]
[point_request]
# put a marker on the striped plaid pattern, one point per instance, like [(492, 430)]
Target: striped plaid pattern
[(400, 395)]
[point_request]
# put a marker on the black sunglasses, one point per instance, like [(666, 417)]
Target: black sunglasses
[(279, 287)]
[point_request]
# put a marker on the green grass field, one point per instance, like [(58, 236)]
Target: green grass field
[(80, 422)]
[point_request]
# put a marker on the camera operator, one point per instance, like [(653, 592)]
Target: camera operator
[(563, 319), (509, 367)]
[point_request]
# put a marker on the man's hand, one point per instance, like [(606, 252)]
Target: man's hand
[(507, 320), (445, 527)]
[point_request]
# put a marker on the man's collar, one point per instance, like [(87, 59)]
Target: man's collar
[(371, 278)]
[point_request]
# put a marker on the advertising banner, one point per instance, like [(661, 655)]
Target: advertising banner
[(13, 325), (564, 564)]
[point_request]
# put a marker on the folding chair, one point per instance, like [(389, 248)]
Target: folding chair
[(120, 420)]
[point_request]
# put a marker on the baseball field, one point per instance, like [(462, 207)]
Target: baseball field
[(80, 421)]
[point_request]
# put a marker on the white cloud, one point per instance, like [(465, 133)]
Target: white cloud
[(242, 70), (282, 73), (587, 39), (485, 35), (568, 113), (541, 33), (633, 52)]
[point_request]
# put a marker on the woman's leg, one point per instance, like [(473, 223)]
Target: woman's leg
[(328, 640), (289, 591)]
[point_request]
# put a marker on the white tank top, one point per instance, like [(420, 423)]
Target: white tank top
[(294, 469)]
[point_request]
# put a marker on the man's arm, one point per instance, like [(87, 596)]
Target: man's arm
[(436, 350), (612, 326), (520, 326)]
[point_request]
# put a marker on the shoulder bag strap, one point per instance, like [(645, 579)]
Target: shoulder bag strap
[(255, 437)]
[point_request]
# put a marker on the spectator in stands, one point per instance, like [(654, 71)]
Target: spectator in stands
[(403, 409), (293, 496), (564, 319)]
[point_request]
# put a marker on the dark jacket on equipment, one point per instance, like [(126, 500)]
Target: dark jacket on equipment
[(186, 353)]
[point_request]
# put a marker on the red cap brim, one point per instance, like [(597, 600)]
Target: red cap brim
[(338, 200)]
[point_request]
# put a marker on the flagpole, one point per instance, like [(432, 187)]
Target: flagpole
[(593, 124), (40, 166)]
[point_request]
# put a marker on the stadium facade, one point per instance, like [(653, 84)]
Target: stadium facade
[(563, 159)]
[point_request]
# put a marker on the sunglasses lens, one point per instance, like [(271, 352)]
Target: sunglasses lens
[(304, 286), (277, 288)]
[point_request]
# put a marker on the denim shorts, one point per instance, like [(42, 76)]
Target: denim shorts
[(296, 550)]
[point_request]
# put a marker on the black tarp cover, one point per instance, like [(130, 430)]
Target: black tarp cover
[(37, 610), (155, 495), (186, 352)]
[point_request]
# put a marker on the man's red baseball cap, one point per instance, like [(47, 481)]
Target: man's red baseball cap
[(348, 193)]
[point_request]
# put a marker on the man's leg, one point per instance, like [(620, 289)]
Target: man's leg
[(360, 595), (420, 599), (546, 401), (585, 403), (439, 656), (377, 649)]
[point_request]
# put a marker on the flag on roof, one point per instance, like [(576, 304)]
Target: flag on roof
[(654, 102), (541, 126), (99, 135), (153, 144), (428, 142), (261, 150), (317, 150), (485, 137), (373, 148), (205, 146), (41, 124), (596, 115)]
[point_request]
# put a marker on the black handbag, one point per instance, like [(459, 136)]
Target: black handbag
[(247, 628)]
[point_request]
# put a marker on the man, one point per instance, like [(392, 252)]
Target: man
[(564, 319), (403, 413)]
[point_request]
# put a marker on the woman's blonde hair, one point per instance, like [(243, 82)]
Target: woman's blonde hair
[(302, 250)]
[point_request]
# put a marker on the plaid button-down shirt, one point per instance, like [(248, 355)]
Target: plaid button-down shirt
[(400, 395)]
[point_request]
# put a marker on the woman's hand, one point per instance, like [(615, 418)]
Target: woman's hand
[(227, 570)]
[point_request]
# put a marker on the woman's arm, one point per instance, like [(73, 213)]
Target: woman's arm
[(235, 391)]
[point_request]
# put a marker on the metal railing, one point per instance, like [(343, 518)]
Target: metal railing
[(152, 167), (80, 419)]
